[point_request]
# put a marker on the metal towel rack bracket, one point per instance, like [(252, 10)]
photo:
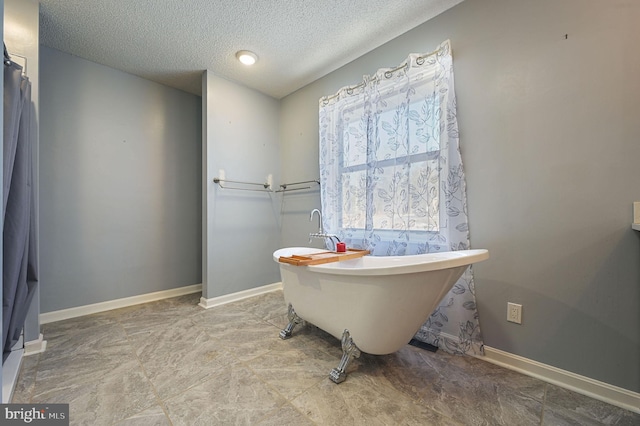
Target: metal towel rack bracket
[(285, 186), (266, 187)]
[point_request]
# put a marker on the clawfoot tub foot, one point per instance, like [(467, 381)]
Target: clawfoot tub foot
[(294, 320), (349, 351)]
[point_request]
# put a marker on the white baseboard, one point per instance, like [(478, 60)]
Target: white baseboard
[(595, 389), (234, 297), (35, 346), (94, 308)]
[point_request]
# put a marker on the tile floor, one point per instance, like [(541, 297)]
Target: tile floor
[(173, 363)]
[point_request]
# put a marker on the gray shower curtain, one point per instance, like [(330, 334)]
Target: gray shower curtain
[(19, 274)]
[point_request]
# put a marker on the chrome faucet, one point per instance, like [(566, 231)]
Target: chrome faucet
[(320, 233), (314, 211)]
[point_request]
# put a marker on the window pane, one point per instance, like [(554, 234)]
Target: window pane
[(391, 198), (354, 137), (425, 195), (354, 199), (407, 197), (392, 133), (424, 125)]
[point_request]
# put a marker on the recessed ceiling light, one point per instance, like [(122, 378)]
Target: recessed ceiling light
[(246, 57)]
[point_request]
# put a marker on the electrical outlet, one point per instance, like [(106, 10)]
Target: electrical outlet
[(514, 313)]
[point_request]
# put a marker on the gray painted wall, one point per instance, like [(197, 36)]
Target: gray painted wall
[(240, 228), (299, 155), (120, 195), (550, 138)]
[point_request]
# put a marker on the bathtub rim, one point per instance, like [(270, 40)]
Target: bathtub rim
[(387, 265)]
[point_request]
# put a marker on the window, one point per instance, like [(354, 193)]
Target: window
[(402, 165)]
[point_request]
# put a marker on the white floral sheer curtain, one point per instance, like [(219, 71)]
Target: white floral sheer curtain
[(392, 179)]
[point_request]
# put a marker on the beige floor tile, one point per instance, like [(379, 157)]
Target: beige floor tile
[(360, 400), (158, 314), (250, 340), (180, 357), (291, 371), (285, 415), (407, 370), (26, 382), (152, 417), (423, 416), (225, 319), (82, 366), (172, 362), (269, 307), (102, 400), (467, 399), (483, 370), (233, 396), (563, 406)]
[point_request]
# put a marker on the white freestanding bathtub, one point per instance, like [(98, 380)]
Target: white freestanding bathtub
[(375, 304)]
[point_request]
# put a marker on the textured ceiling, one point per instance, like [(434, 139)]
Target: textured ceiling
[(173, 41)]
